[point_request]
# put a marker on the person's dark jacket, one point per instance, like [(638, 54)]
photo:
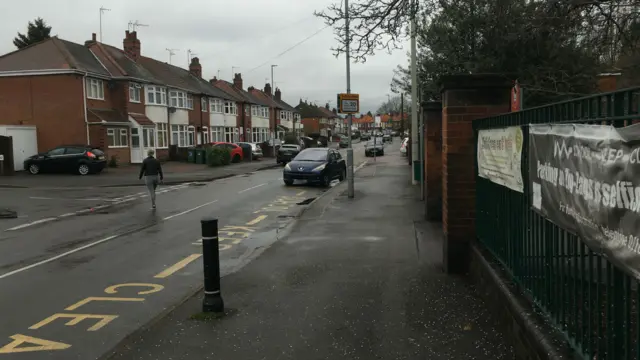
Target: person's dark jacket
[(150, 167)]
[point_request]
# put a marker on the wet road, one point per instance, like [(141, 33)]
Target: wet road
[(74, 286)]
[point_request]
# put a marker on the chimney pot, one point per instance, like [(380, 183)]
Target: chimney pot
[(195, 68), (131, 45), (267, 89), (93, 37), (278, 94), (237, 81)]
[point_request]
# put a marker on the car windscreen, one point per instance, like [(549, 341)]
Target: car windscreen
[(289, 147), (312, 155)]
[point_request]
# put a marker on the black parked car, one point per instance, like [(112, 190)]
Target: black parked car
[(315, 166), (287, 152), (372, 148), (79, 159)]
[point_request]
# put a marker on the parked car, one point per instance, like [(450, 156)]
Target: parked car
[(372, 148), (403, 146), (256, 151), (287, 152), (79, 159), (387, 138), (344, 142), (236, 151), (365, 136), (315, 166)]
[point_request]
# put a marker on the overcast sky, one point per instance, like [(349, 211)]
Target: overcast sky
[(223, 34)]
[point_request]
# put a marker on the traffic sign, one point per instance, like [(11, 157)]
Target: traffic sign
[(348, 103)]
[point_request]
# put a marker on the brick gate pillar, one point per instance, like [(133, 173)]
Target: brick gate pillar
[(465, 98), (433, 159)]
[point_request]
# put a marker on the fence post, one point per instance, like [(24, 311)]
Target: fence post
[(212, 301), (433, 159), (465, 98)]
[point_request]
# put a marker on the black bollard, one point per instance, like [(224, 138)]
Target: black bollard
[(211, 257)]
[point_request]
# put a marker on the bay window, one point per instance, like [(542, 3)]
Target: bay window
[(156, 95), (217, 134), (229, 134), (216, 105), (178, 99), (264, 111), (230, 108), (254, 110), (182, 135), (162, 131)]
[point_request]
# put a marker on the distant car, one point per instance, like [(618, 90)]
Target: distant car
[(372, 148), (344, 142), (365, 137), (403, 146), (79, 159), (315, 166), (287, 152), (387, 138), (236, 151), (256, 151)]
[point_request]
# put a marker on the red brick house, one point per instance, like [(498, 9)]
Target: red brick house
[(119, 100)]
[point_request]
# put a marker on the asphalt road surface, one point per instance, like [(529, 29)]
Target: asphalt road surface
[(73, 285)]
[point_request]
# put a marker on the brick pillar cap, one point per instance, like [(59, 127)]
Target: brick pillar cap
[(475, 81), (432, 105)]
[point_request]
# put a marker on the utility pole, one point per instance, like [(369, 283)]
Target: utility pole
[(414, 97), (402, 114), (171, 53), (102, 10), (350, 191)]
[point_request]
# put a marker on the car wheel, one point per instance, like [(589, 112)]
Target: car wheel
[(83, 169), (236, 158), (343, 175), (326, 180), (288, 182), (34, 169)]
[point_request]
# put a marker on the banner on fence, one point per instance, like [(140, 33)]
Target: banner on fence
[(586, 179), (500, 156)]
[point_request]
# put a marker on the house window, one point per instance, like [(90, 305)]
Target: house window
[(205, 135), (179, 135), (216, 105), (230, 108), (191, 136), (117, 138), (217, 134), (156, 95), (255, 135), (134, 92), (189, 102), (254, 110), (178, 99), (162, 135), (283, 115), (95, 89), (203, 104), (229, 134), (264, 111)]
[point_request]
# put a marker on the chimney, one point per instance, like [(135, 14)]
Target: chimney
[(251, 88), (213, 81), (237, 81), (267, 89), (326, 106), (92, 41), (131, 45), (195, 68), (278, 93)]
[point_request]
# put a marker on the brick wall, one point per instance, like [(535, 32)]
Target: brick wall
[(50, 103), (433, 160), (466, 98)]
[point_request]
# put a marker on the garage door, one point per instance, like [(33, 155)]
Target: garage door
[(25, 143)]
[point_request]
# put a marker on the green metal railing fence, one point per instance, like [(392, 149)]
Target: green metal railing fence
[(592, 302)]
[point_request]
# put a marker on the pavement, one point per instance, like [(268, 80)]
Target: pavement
[(77, 280), (354, 279), (174, 173)]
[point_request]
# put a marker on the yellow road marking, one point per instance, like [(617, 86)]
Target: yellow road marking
[(99, 298), (300, 193), (154, 288), (177, 266), (257, 220), (75, 319), (43, 345)]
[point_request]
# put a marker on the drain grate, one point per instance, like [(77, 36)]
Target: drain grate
[(306, 201)]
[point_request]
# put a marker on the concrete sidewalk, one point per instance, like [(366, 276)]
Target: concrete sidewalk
[(355, 279), (174, 173)]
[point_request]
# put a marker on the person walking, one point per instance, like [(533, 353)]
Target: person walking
[(152, 171)]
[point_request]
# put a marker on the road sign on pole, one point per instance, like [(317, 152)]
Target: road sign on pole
[(348, 103)]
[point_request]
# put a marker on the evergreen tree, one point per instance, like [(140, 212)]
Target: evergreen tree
[(36, 32)]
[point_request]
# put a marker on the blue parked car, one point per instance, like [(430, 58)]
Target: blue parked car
[(315, 166)]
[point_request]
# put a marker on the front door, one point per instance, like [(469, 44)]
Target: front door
[(137, 155), (148, 139)]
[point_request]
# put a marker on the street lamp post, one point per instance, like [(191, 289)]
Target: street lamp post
[(350, 191)]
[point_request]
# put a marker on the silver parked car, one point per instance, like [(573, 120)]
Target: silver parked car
[(256, 150)]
